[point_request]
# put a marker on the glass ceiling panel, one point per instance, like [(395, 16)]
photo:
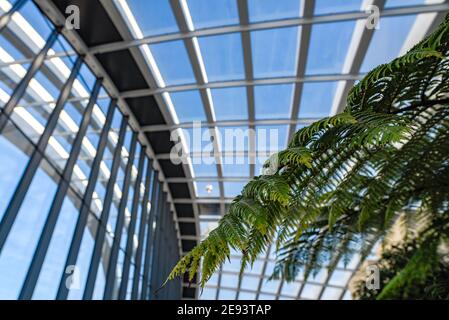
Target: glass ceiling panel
[(198, 139), (316, 99), (234, 138), (226, 294), (247, 295), (336, 6), (291, 288), (270, 286), (274, 52), (265, 10), (235, 167), (387, 41), (271, 138), (402, 3), (207, 13), (230, 103), (310, 291), (273, 101), (233, 265), (173, 62), (328, 47), (223, 57), (250, 282), (331, 294), (208, 293), (31, 15), (204, 169), (188, 106), (232, 189), (153, 17), (230, 281)]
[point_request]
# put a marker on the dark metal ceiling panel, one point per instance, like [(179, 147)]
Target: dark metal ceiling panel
[(184, 210), (146, 110), (96, 27), (123, 70), (188, 245), (160, 141), (171, 170), (187, 228), (179, 190)]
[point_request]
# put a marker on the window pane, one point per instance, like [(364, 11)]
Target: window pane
[(387, 41), (264, 10), (317, 99), (188, 106), (15, 149), (328, 47), (271, 138), (235, 166), (206, 13), (204, 169), (402, 3), (230, 103), (54, 262), (153, 17), (173, 62), (273, 101), (234, 138), (274, 52), (223, 57), (24, 235), (336, 6), (233, 189)]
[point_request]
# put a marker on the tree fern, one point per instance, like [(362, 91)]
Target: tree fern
[(344, 180)]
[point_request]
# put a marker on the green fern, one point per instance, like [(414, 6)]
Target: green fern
[(343, 181)]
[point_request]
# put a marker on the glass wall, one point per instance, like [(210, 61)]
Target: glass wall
[(76, 187)]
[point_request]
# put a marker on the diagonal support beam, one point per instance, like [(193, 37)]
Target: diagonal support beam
[(58, 200), (81, 222)]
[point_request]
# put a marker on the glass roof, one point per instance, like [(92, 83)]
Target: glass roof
[(252, 90), (249, 73)]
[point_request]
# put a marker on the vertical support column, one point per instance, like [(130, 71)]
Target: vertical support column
[(156, 262), (156, 189), (36, 157), (142, 227), (4, 19), (113, 257), (61, 192), (19, 91), (86, 203), (101, 231), (131, 229)]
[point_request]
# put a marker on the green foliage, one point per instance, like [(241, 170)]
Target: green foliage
[(342, 182), (411, 270)]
